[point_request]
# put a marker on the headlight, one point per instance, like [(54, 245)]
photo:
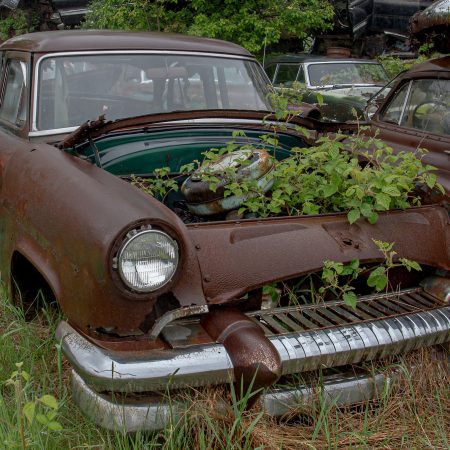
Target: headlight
[(147, 260)]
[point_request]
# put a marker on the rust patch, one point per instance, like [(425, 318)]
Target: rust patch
[(256, 361)]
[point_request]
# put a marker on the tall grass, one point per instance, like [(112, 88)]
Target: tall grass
[(412, 412)]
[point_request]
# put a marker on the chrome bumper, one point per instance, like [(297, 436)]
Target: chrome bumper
[(153, 415), (205, 365), (381, 325)]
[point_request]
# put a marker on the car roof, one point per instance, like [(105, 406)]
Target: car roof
[(297, 58), (441, 64), (88, 40)]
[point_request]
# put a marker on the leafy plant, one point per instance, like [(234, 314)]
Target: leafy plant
[(44, 408), (157, 186), (338, 276), (250, 23), (329, 177), (15, 23)]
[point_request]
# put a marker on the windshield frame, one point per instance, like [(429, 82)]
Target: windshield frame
[(346, 61), (35, 132)]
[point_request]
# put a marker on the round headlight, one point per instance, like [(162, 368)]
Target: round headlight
[(147, 260)]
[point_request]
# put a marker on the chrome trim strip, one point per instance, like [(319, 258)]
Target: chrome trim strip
[(201, 365)]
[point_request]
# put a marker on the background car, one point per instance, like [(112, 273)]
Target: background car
[(414, 112), (345, 84)]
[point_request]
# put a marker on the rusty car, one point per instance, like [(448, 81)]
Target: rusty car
[(343, 83), (432, 26), (413, 111), (158, 297)]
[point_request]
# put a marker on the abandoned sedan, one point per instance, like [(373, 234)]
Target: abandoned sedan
[(343, 83), (182, 288), (413, 111)]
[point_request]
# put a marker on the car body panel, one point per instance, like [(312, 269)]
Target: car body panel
[(408, 138)]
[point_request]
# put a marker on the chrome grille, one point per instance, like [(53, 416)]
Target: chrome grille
[(300, 318)]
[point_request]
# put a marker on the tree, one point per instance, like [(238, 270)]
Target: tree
[(250, 23)]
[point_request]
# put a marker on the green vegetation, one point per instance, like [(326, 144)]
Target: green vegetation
[(252, 24), (327, 177), (412, 412), (337, 277), (17, 22)]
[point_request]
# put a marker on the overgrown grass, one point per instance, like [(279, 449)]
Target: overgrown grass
[(412, 413)]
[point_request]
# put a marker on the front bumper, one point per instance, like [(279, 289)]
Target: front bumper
[(381, 325)]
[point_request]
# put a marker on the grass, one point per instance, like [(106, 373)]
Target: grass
[(412, 413)]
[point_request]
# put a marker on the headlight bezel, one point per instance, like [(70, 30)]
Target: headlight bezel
[(124, 241)]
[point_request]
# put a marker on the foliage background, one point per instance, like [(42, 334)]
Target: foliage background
[(251, 24)]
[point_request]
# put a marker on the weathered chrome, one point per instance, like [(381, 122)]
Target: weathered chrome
[(437, 287), (337, 339), (144, 371), (299, 351), (338, 390), (175, 314), (153, 414)]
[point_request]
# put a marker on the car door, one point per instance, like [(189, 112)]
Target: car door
[(417, 115)]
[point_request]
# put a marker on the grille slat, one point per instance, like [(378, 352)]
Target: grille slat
[(333, 314)]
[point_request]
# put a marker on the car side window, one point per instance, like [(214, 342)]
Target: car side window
[(394, 110), (13, 103), (427, 107), (270, 70), (287, 74), (301, 75)]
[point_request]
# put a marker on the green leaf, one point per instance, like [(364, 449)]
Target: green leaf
[(372, 218), (54, 426), (42, 419), (350, 299), (409, 264), (49, 400), (430, 179), (25, 375), (378, 279), (366, 209), (391, 191), (383, 200), (29, 411), (353, 215), (330, 189), (319, 97)]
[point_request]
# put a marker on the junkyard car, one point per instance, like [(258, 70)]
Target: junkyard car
[(414, 112), (161, 297), (345, 84), (432, 26)]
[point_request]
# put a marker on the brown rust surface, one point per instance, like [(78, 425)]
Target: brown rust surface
[(255, 360), (240, 256)]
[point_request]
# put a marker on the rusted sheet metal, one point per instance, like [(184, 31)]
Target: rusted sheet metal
[(157, 119), (255, 360), (257, 252), (73, 252), (432, 24)]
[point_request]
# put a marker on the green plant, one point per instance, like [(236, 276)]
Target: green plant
[(43, 408), (158, 185), (250, 23), (329, 177), (338, 276), (15, 23)]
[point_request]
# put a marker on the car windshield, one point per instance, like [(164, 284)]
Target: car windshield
[(76, 88), (346, 73)]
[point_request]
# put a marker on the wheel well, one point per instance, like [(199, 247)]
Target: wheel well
[(29, 288)]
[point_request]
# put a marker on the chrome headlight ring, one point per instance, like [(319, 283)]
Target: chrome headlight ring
[(147, 259)]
